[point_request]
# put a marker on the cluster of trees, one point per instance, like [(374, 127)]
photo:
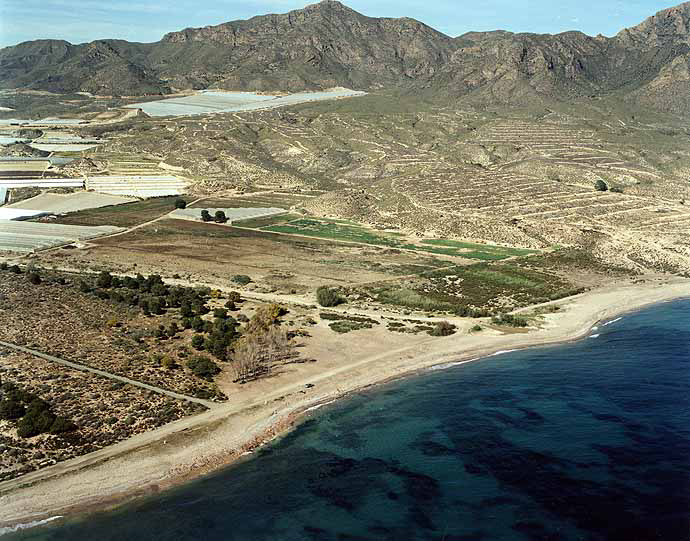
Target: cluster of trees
[(33, 415), (150, 294), (262, 345), (442, 328), (468, 311), (219, 217), (510, 320), (221, 333), (203, 367)]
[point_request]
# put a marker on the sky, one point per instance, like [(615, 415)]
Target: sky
[(79, 21)]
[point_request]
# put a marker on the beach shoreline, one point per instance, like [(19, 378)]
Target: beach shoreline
[(196, 446)]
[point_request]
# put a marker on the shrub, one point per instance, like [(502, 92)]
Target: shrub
[(180, 204), (198, 342), (11, 409), (327, 296), (104, 280), (600, 186), (617, 189), (4, 265), (168, 362), (203, 367), (15, 269), (220, 217), (34, 278), (509, 320), (198, 324), (241, 279), (234, 296), (61, 425), (442, 328), (37, 420), (220, 313), (476, 328), (230, 306), (206, 216)]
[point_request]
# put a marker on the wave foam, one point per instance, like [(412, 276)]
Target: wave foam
[(595, 336), (27, 525), (612, 321)]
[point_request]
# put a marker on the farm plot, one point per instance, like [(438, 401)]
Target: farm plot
[(258, 200), (198, 252), (137, 186), (30, 236), (232, 214), (216, 102), (60, 204), (340, 230), (121, 215)]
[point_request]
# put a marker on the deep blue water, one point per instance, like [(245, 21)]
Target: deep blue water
[(589, 440)]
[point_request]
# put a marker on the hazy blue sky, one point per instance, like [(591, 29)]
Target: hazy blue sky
[(147, 20)]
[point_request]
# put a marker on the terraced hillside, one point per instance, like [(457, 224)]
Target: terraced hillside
[(531, 178)]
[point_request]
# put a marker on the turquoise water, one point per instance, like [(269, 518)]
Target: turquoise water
[(582, 441)]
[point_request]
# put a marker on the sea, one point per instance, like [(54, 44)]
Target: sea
[(582, 441)]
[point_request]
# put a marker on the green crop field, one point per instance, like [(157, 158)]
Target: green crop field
[(342, 230)]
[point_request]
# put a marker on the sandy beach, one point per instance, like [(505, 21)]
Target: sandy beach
[(196, 445)]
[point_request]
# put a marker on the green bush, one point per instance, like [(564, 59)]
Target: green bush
[(241, 279), (203, 367), (37, 420), (509, 320), (442, 328), (600, 186), (198, 342), (11, 409), (327, 296), (34, 278), (180, 204), (61, 425), (220, 217), (206, 216), (105, 280)]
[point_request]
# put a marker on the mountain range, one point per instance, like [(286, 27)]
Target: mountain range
[(328, 44)]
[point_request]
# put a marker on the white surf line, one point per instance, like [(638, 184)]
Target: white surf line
[(594, 336), (458, 363), (612, 321), (319, 406), (28, 525)]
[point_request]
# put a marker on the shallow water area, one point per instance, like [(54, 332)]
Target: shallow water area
[(588, 440)]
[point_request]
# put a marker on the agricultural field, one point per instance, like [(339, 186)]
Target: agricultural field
[(124, 215), (206, 253), (64, 203), (220, 102), (341, 230), (22, 236)]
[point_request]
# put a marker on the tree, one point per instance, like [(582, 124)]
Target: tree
[(156, 306), (600, 186), (206, 216), (220, 217), (104, 280), (11, 409), (203, 367), (328, 297), (234, 296), (198, 342), (198, 324), (220, 313), (180, 204), (34, 278)]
